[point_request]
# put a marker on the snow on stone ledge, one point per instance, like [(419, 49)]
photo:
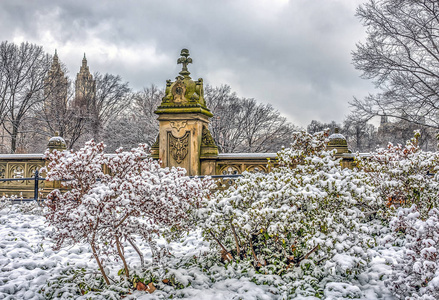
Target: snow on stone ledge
[(247, 155), (21, 156)]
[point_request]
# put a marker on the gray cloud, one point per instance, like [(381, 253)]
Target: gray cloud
[(293, 54)]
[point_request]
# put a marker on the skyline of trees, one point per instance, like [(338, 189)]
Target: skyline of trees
[(23, 69), (33, 108)]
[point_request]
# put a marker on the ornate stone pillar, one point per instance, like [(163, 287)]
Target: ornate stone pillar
[(338, 141), (55, 143), (183, 123)]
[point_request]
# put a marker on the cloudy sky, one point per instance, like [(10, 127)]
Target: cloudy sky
[(293, 54)]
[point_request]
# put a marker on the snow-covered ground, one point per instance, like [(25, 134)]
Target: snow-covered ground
[(30, 269)]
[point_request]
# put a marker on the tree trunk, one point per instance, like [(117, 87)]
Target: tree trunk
[(14, 138), (119, 251), (101, 268)]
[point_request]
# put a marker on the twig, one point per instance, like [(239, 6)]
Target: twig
[(297, 262), (119, 250), (221, 245), (142, 261), (253, 252), (236, 239)]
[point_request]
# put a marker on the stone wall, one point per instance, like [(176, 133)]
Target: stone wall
[(19, 166)]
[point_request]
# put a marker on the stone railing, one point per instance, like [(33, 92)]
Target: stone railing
[(236, 163), (19, 166), (25, 165)]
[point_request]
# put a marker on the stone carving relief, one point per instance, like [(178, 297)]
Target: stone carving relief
[(178, 125), (157, 142), (17, 171), (179, 147), (2, 171), (257, 169), (230, 170), (206, 138), (31, 170), (178, 92)]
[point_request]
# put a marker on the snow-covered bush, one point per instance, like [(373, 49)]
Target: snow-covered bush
[(32, 207), (407, 178), (134, 197), (5, 202), (296, 217), (404, 175), (416, 273)]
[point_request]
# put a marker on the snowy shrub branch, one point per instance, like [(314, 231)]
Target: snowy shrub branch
[(304, 212), (137, 197), (404, 175), (416, 273)]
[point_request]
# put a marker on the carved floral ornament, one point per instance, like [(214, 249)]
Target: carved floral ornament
[(230, 170), (178, 125), (2, 171), (179, 91), (179, 147), (184, 93), (17, 171), (206, 138)]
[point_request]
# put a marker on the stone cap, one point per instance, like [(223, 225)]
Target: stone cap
[(338, 141), (57, 142), (337, 138), (184, 95)]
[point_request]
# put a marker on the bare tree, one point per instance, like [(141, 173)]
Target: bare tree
[(137, 123), (400, 131), (144, 104), (225, 125), (361, 135), (22, 72), (401, 56), (264, 129), (244, 125), (316, 126), (110, 99)]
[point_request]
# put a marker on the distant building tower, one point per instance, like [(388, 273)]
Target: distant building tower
[(55, 95), (85, 86), (383, 130), (56, 83)]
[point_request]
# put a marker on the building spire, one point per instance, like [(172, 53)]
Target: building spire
[(55, 59), (84, 61), (85, 86)]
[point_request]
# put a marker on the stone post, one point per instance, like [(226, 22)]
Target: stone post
[(338, 141), (184, 135), (55, 143)]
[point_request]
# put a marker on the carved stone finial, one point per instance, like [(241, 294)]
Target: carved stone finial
[(338, 141), (57, 142), (206, 138), (184, 95), (184, 60)]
